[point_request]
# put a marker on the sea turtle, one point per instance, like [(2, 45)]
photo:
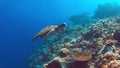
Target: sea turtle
[(49, 30)]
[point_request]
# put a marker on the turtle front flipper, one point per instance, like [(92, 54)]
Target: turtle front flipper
[(50, 32)]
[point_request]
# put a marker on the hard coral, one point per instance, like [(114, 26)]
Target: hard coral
[(61, 60), (114, 64), (104, 66), (84, 56), (105, 59), (118, 20), (64, 52), (117, 35), (91, 35), (105, 10), (110, 55), (80, 19), (53, 64), (110, 42), (117, 50), (78, 64)]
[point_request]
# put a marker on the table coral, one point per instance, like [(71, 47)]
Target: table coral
[(82, 56)]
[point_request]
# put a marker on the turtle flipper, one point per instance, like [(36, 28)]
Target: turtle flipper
[(35, 37), (50, 32)]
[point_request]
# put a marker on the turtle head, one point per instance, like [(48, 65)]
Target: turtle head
[(61, 27)]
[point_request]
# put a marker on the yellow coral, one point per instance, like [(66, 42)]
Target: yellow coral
[(117, 50), (65, 50), (110, 41), (114, 64), (45, 65), (61, 60), (77, 49), (104, 66), (110, 55)]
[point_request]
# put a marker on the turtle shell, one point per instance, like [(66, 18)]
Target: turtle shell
[(45, 31)]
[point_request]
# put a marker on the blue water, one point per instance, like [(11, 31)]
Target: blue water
[(21, 19)]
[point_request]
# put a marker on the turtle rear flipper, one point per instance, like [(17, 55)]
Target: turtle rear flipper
[(40, 35), (35, 37)]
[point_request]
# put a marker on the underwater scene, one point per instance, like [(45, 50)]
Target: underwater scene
[(90, 42), (60, 34)]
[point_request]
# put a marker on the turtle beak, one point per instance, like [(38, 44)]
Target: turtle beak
[(63, 25)]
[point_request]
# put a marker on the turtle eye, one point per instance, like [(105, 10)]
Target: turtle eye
[(64, 24)]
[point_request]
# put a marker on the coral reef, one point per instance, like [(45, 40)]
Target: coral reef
[(97, 46), (107, 10), (64, 52), (117, 35), (53, 64), (78, 64), (80, 19)]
